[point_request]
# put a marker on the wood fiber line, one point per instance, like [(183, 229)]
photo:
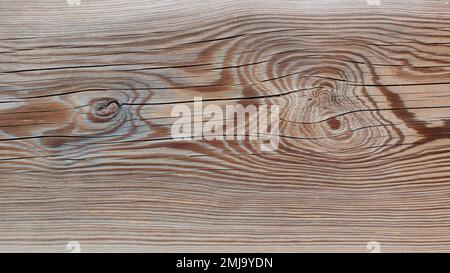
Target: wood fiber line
[(86, 154)]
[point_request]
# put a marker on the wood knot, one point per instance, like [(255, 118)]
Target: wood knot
[(107, 109), (334, 123)]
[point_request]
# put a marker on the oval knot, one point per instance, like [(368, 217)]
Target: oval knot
[(107, 109)]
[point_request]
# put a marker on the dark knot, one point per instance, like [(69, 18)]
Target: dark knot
[(107, 109)]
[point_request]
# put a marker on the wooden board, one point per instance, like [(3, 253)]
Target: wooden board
[(86, 154)]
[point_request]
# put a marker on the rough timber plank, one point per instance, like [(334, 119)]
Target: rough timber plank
[(364, 156)]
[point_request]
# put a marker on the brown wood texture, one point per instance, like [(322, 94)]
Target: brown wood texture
[(86, 153)]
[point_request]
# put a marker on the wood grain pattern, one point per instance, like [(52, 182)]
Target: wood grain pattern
[(85, 147)]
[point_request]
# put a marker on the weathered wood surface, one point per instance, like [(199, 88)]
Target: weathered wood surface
[(364, 155)]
